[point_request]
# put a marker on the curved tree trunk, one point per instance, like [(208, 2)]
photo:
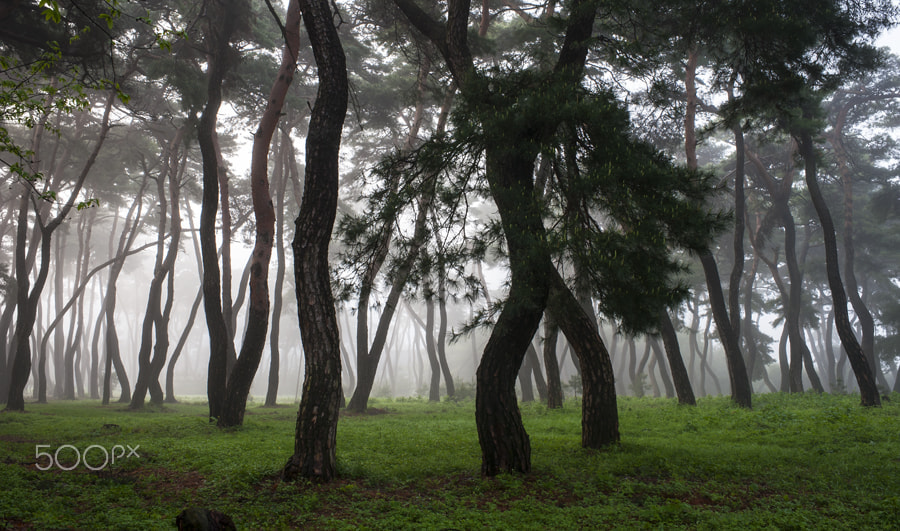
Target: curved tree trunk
[(156, 316), (861, 368), (737, 369), (866, 320), (27, 301), (244, 370), (599, 413), (316, 428), (223, 20)]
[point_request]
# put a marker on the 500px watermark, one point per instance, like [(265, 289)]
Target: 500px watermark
[(47, 460)]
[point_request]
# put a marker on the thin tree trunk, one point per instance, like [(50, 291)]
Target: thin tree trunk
[(241, 377), (277, 302), (442, 333), (554, 385), (27, 301), (434, 389), (864, 374), (224, 16), (676, 362)]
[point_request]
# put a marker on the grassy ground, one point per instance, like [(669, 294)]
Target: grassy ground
[(793, 462)]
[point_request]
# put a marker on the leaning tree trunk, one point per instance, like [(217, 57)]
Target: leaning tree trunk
[(864, 375), (258, 312), (316, 429), (599, 414), (866, 320), (676, 362)]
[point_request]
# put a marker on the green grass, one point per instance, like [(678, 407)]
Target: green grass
[(793, 462)]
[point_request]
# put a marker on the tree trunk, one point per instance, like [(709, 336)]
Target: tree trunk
[(27, 301), (554, 385), (241, 377), (534, 363), (156, 318), (660, 359), (866, 320), (434, 389), (599, 415), (442, 333), (223, 20), (676, 362), (316, 429), (737, 370), (277, 301), (861, 368)]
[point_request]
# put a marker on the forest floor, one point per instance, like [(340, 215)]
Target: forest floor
[(793, 462)]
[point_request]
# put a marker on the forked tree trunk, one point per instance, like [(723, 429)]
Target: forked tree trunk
[(316, 429), (27, 302), (241, 377), (156, 317), (223, 20)]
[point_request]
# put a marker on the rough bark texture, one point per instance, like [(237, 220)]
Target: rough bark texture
[(241, 377), (599, 415), (510, 174), (861, 368), (316, 429)]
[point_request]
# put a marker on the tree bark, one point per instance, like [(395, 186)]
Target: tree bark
[(442, 332), (241, 377), (737, 370), (599, 414), (866, 320), (316, 428), (554, 385), (864, 375), (434, 389), (676, 363), (27, 302), (278, 299), (223, 22)]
